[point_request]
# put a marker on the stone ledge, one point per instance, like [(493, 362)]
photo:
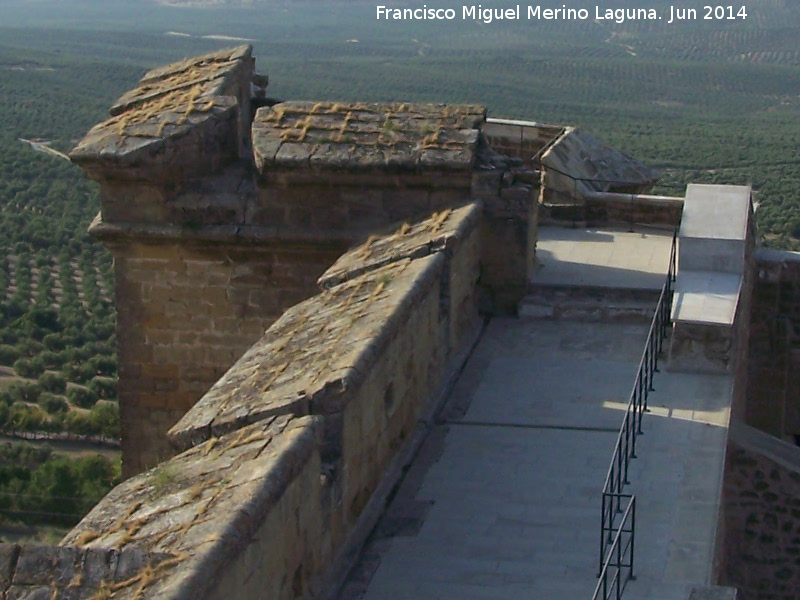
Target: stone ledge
[(706, 298), (223, 234), (441, 233), (361, 136)]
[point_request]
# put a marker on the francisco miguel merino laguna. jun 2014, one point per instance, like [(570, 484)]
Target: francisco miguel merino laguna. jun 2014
[(477, 12)]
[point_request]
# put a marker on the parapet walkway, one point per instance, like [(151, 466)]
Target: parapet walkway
[(503, 500)]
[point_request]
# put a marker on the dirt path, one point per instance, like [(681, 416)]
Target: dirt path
[(71, 448)]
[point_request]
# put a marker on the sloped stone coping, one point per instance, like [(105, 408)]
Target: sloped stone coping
[(439, 233), (359, 136), (70, 573), (181, 120), (199, 509)]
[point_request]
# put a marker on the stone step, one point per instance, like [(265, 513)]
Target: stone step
[(587, 303)]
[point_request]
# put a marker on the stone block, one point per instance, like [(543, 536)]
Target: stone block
[(8, 561)]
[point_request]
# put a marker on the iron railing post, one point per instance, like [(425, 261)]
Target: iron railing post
[(633, 534)]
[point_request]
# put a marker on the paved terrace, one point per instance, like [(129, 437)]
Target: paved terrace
[(503, 500)]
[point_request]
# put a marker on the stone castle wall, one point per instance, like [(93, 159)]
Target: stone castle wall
[(761, 516), (773, 392), (280, 458), (220, 218), (185, 313), (229, 229)]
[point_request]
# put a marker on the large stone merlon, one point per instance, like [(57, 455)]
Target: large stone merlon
[(351, 169), (185, 120), (710, 310)]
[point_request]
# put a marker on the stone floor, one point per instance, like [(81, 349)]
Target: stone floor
[(503, 500), (617, 258)]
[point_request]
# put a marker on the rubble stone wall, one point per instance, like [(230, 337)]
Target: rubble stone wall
[(761, 517)]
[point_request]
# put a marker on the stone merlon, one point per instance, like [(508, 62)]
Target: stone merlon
[(185, 119), (360, 136)]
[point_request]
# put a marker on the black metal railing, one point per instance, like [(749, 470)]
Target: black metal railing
[(631, 427), (617, 568)]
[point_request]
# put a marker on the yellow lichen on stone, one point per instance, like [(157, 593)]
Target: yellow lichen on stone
[(76, 581), (86, 537), (438, 219)]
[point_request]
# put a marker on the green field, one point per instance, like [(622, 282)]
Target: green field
[(705, 100)]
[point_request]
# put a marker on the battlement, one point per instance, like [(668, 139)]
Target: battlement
[(298, 286)]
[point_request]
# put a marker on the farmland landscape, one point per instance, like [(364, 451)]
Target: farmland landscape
[(706, 101)]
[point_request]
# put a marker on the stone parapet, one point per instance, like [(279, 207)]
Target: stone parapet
[(525, 140), (630, 209), (774, 364), (280, 458), (204, 507), (316, 354)]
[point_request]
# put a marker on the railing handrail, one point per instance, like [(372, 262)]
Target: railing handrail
[(657, 319), (602, 583), (631, 427), (636, 383)]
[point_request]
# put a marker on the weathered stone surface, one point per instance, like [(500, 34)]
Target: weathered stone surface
[(213, 71), (773, 384), (201, 508), (182, 120), (762, 516), (577, 164), (440, 233), (314, 355), (71, 573), (358, 136)]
